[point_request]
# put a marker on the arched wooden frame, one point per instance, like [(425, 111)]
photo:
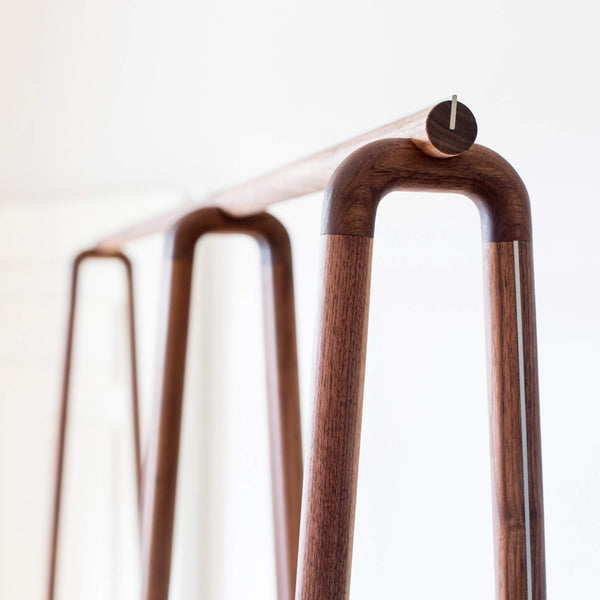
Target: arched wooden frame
[(160, 476), (352, 197), (66, 391)]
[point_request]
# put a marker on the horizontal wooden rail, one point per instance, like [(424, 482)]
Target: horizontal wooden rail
[(443, 130)]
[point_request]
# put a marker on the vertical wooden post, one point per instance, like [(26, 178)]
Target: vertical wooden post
[(160, 474), (514, 421), (329, 499), (284, 406)]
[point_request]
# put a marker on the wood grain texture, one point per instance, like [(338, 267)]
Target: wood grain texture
[(329, 499), (438, 139), (349, 218), (160, 479), (428, 128), (506, 435), (65, 397), (365, 177), (534, 441)]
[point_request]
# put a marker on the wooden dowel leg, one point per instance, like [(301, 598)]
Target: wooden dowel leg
[(284, 409), (135, 409), (62, 428), (330, 491), (514, 421), (160, 475)]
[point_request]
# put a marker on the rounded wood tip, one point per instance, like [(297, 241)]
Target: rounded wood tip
[(449, 141)]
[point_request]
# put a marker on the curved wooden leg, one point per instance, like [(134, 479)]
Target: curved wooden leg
[(514, 421), (64, 404), (330, 492), (284, 412), (350, 208)]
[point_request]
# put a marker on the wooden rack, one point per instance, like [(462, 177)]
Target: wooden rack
[(432, 150)]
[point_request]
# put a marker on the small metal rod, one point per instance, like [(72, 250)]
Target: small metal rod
[(453, 108)]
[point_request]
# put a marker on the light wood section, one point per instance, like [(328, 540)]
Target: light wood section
[(429, 129), (330, 496)]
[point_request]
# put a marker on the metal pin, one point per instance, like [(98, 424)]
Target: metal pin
[(453, 112)]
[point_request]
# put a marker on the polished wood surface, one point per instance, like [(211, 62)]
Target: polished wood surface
[(329, 499), (348, 224), (433, 133), (367, 175), (160, 477), (65, 396), (518, 533), (429, 129)]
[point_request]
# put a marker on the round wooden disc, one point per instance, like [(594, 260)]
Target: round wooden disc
[(446, 140)]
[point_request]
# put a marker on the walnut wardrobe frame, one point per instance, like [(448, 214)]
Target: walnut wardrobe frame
[(430, 151)]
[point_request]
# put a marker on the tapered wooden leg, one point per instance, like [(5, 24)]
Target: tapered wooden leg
[(62, 426), (514, 421), (284, 413), (160, 474), (330, 491), (135, 407), (64, 405), (284, 410)]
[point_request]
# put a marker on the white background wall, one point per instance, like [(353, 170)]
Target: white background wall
[(110, 110)]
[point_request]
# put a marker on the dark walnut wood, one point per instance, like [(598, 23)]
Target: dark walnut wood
[(284, 408), (349, 218), (511, 527), (366, 176), (429, 129), (438, 139), (65, 397), (329, 500), (160, 480)]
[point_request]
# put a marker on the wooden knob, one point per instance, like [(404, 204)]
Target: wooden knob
[(438, 138)]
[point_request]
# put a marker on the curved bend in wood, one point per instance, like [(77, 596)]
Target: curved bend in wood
[(66, 387), (348, 224), (271, 235), (282, 389), (367, 175)]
